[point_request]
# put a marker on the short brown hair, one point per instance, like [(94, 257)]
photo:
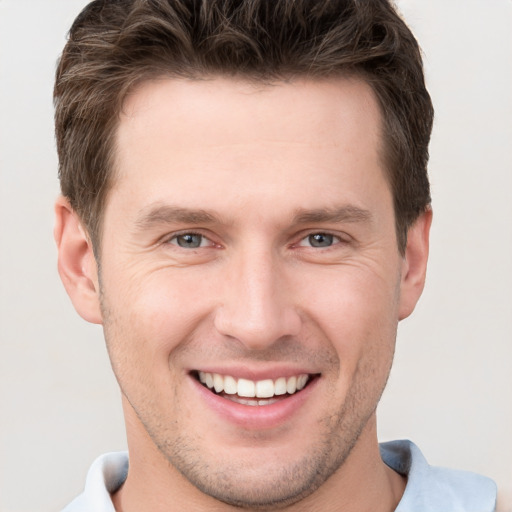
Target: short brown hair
[(114, 45)]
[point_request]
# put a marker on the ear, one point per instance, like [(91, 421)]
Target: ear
[(414, 267), (76, 263)]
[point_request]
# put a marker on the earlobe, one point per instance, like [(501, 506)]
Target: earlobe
[(76, 263), (415, 264)]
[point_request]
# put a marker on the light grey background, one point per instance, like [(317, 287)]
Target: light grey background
[(451, 387)]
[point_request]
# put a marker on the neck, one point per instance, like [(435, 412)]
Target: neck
[(362, 484)]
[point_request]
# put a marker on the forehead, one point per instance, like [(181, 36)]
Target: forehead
[(219, 110), (248, 141)]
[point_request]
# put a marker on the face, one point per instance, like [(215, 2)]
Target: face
[(251, 280)]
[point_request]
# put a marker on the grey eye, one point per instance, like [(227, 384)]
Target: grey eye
[(189, 240), (320, 240)]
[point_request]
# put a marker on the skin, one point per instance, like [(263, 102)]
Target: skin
[(271, 165)]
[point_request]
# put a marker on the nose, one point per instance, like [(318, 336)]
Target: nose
[(255, 304)]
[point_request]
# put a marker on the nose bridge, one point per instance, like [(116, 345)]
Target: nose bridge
[(256, 306)]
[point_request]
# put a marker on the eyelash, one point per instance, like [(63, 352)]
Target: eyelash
[(334, 240), (174, 239)]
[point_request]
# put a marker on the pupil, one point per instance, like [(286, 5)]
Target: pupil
[(320, 240), (189, 241)]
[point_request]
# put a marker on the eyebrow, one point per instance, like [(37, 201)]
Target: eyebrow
[(348, 213), (166, 214), (159, 214)]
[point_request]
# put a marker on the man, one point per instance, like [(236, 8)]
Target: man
[(245, 209)]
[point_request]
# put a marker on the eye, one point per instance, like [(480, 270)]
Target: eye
[(190, 241), (319, 240)]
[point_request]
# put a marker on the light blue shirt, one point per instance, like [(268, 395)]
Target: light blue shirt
[(434, 489), (429, 489)]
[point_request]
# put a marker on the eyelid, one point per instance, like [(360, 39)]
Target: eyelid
[(303, 241), (168, 239), (340, 238)]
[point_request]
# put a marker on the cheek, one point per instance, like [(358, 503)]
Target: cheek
[(148, 318), (357, 310), (350, 298)]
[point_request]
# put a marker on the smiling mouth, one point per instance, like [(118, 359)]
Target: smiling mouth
[(249, 392)]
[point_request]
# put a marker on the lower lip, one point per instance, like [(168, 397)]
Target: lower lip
[(256, 417)]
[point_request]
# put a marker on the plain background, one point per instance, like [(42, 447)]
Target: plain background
[(451, 387)]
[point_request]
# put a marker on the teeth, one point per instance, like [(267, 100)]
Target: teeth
[(253, 389), (246, 388), (265, 388), (301, 381), (230, 385), (218, 382), (280, 386)]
